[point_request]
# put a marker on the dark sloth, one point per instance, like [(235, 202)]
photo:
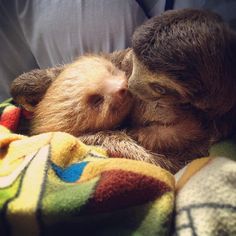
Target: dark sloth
[(184, 66)]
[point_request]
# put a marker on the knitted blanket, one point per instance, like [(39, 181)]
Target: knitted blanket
[(53, 184)]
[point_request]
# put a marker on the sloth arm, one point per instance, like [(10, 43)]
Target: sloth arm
[(119, 144), (29, 88), (176, 138)]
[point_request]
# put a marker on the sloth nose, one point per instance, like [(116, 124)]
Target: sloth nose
[(116, 87), (121, 92)]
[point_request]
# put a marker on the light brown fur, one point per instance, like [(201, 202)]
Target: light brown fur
[(82, 100)]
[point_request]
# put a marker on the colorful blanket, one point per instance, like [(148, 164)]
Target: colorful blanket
[(53, 184)]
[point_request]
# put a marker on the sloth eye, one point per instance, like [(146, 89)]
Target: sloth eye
[(157, 88), (96, 100)]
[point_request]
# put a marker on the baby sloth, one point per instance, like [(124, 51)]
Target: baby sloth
[(89, 95)]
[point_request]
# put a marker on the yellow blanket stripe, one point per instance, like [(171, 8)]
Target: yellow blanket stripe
[(95, 169), (17, 150), (27, 200)]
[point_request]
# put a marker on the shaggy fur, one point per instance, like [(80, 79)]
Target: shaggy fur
[(89, 95), (184, 71), (29, 88)]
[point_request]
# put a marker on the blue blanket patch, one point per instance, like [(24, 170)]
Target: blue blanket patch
[(71, 173)]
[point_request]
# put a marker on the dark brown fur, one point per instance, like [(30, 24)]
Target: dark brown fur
[(29, 88), (196, 50), (184, 70)]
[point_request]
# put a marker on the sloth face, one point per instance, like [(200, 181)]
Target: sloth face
[(158, 87), (187, 55), (90, 95)]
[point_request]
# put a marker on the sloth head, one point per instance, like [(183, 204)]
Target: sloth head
[(185, 57), (89, 95)]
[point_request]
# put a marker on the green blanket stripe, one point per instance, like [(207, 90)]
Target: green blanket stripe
[(9, 192), (65, 197), (5, 104), (159, 214), (147, 219), (6, 195), (225, 148)]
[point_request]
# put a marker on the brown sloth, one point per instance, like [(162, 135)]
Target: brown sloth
[(184, 65), (182, 76)]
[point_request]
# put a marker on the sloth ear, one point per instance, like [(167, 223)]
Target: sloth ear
[(29, 88), (122, 59)]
